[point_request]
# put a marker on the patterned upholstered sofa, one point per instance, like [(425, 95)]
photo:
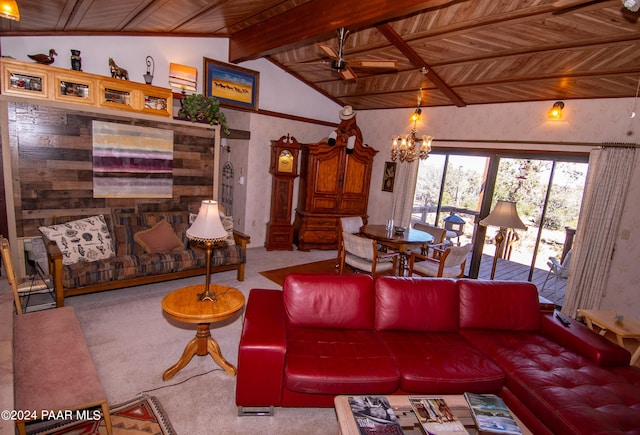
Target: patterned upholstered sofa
[(128, 260)]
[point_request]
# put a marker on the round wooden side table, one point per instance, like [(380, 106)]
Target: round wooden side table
[(183, 305)]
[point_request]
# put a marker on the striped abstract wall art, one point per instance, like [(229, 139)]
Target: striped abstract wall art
[(131, 161)]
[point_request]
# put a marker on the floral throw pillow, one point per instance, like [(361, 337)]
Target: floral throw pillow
[(81, 240)]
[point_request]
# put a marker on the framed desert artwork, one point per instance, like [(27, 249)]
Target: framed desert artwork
[(234, 86)]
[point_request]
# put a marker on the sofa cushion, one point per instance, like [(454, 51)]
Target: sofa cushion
[(329, 301), (179, 221), (133, 266), (445, 363), (506, 305), (570, 393), (82, 240), (124, 241), (338, 361), (416, 304), (158, 238)]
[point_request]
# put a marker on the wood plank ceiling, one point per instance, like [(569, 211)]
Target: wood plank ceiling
[(459, 52)]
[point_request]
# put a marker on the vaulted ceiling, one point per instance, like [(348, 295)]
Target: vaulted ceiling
[(458, 52)]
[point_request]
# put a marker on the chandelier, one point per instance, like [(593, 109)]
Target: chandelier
[(409, 147)]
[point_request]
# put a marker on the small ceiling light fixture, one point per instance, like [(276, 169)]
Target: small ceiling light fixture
[(556, 110), (9, 9), (632, 5), (183, 77), (409, 147)]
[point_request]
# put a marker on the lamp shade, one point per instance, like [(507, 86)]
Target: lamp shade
[(504, 215), (9, 9), (183, 77), (207, 227)]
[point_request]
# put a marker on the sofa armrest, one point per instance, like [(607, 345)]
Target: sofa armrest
[(262, 351), (241, 239), (583, 341), (54, 259)]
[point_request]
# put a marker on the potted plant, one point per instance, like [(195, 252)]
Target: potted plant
[(197, 107)]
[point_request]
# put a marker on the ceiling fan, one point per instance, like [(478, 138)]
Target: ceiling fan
[(344, 67)]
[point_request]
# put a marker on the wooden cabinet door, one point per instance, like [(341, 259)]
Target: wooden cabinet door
[(356, 178), (325, 179)]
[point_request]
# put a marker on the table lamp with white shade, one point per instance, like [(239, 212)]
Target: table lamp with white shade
[(504, 216), (207, 230)]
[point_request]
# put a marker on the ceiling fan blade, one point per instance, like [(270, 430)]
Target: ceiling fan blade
[(329, 50), (347, 74), (373, 64)]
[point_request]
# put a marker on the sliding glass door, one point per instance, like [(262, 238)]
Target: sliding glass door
[(546, 190), (449, 191)]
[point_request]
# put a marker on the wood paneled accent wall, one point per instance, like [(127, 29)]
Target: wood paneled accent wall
[(52, 168)]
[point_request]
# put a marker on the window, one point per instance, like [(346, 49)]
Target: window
[(547, 190)]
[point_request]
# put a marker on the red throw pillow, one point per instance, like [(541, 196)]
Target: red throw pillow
[(158, 238)]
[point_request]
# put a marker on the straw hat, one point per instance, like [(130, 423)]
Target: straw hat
[(347, 112)]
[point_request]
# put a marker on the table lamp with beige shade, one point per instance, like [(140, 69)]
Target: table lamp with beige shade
[(504, 216), (207, 231)]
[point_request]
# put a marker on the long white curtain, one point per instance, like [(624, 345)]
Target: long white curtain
[(405, 185), (610, 171)]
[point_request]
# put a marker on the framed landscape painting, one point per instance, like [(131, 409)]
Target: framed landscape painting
[(234, 86)]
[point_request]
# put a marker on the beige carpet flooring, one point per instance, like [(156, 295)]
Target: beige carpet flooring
[(133, 343)]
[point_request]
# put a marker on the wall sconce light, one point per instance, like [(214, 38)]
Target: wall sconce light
[(151, 66), (183, 77), (556, 110), (9, 9)]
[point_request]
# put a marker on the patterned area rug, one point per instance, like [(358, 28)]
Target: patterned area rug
[(141, 416)]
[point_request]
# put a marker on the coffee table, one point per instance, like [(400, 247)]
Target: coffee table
[(400, 404), (606, 321), (183, 305)]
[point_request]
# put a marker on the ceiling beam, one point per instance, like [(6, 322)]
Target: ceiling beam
[(419, 63), (315, 20)]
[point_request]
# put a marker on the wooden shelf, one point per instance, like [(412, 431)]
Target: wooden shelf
[(33, 80)]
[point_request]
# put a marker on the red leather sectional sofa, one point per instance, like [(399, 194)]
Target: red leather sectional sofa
[(325, 335)]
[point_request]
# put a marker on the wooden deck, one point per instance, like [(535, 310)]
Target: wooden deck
[(512, 271)]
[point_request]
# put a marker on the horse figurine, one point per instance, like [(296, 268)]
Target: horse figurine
[(117, 72)]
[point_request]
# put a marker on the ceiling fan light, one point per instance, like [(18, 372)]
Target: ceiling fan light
[(632, 5)]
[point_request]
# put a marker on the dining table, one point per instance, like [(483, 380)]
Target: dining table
[(400, 241)]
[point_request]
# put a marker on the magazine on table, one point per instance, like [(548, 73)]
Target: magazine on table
[(374, 415), (435, 416), (491, 414)]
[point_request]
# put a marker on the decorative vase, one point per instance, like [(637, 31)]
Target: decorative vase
[(76, 60)]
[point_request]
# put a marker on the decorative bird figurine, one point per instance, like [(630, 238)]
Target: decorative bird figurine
[(43, 58)]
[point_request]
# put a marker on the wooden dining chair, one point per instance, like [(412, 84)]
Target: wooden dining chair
[(23, 288), (438, 238), (361, 253), (450, 263)]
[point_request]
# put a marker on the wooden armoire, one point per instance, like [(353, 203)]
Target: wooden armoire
[(333, 184)]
